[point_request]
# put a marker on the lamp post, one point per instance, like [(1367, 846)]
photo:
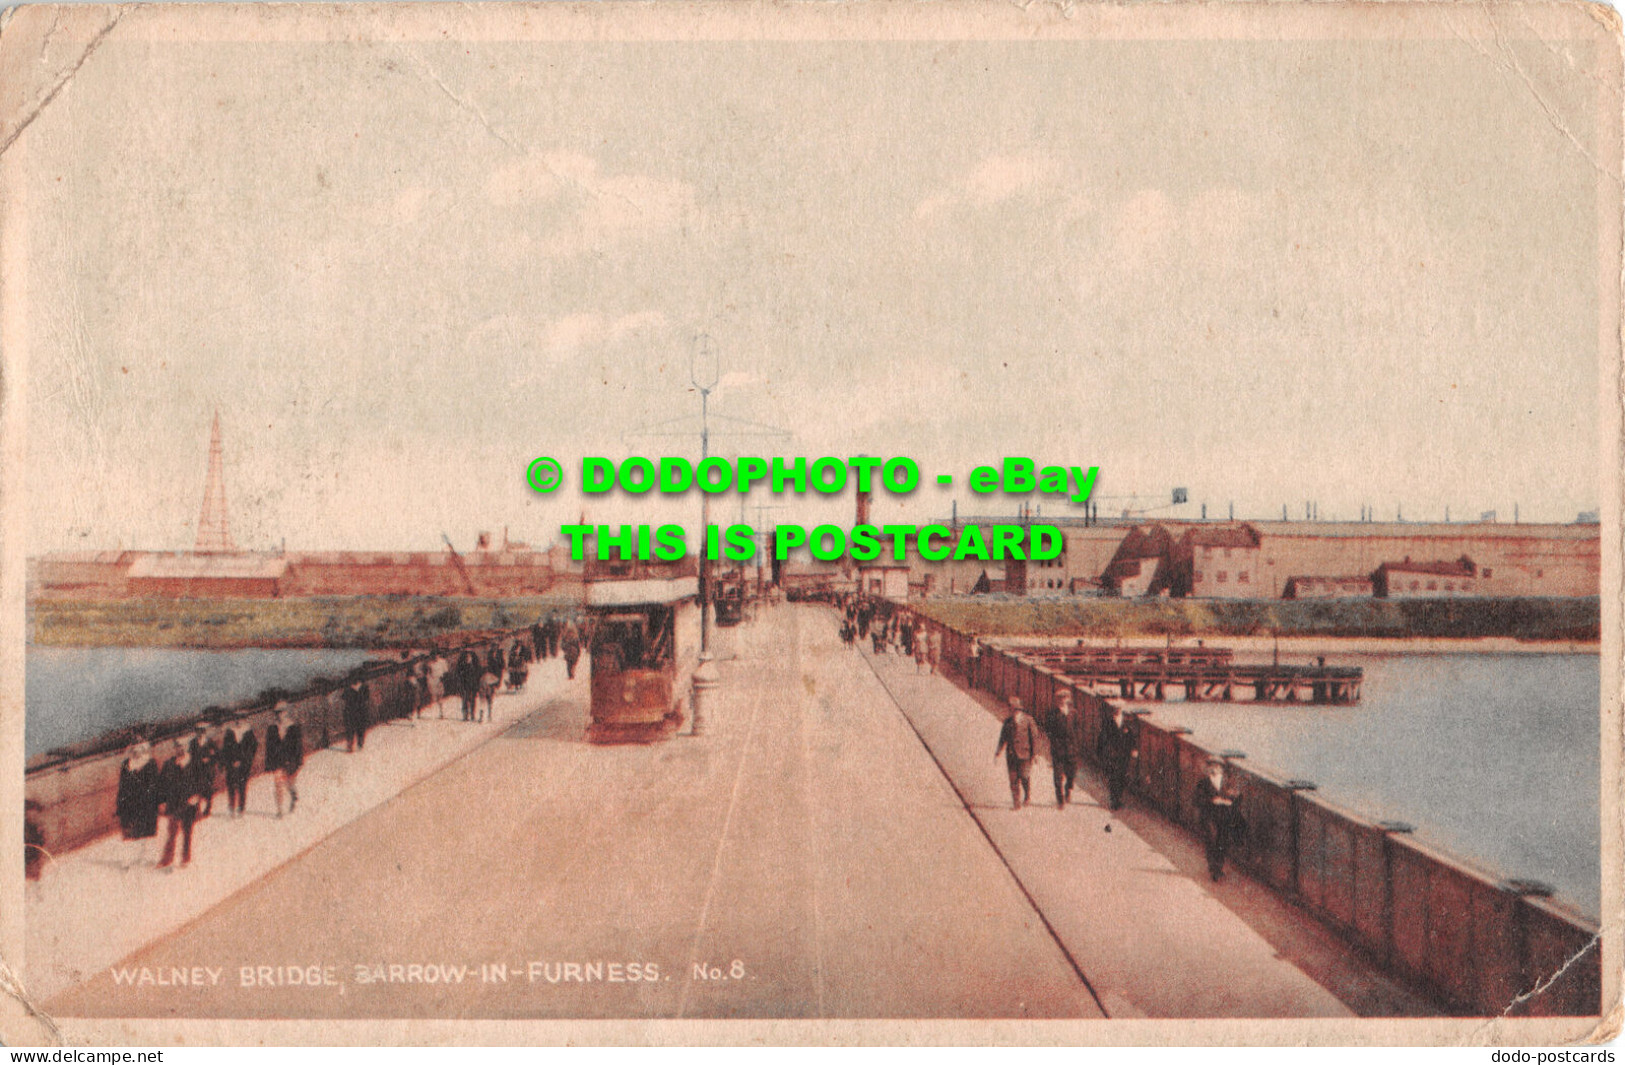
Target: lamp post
[(703, 374)]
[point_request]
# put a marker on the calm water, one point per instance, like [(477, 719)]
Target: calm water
[(1492, 757), (74, 693), (1495, 758)]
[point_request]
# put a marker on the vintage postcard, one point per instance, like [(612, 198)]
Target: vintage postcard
[(813, 523)]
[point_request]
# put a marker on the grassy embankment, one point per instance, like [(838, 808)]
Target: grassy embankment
[(352, 621), (1523, 619), (391, 621)]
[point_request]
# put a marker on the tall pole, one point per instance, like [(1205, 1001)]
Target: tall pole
[(703, 374), (705, 529)]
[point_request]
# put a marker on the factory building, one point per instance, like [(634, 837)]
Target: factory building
[(1328, 588), (1426, 580), (1275, 559), (1223, 562)]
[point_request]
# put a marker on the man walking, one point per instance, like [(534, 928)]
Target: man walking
[(205, 760), (356, 711), (467, 682), (1064, 727), (180, 787), (1218, 812), (571, 643), (1116, 748), (1018, 740), (496, 663), (237, 753), (284, 756)]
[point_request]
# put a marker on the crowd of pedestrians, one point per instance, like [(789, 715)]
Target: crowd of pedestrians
[(170, 798), (889, 632), (181, 792)]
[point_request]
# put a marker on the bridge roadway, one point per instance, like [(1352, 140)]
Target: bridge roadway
[(842, 831)]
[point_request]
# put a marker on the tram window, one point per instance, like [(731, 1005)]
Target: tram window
[(1241, 578), (1198, 575), (1433, 586), (633, 641), (1414, 586), (1223, 576), (1488, 573)]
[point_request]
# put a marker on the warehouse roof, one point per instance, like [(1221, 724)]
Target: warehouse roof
[(213, 566)]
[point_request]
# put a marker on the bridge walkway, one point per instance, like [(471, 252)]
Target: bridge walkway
[(842, 831)]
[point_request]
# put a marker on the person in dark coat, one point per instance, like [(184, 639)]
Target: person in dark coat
[(237, 753), (1116, 746), (467, 676), (538, 640), (1018, 740), (1064, 728), (497, 663), (570, 642), (180, 786), (138, 800), (357, 715), (206, 759), (518, 671), (1215, 800), (285, 756)]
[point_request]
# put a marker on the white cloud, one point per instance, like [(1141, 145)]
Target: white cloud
[(994, 180), (579, 332), (589, 207), (531, 342), (738, 381)]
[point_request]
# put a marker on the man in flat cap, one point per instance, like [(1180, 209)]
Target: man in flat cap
[(1215, 799), (1018, 739), (1064, 727)]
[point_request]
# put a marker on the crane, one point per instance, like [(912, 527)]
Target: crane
[(457, 560)]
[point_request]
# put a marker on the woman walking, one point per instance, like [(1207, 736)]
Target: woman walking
[(137, 802)]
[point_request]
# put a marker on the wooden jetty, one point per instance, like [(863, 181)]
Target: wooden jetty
[(1196, 675)]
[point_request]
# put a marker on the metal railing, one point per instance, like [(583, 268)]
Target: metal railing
[(1476, 944)]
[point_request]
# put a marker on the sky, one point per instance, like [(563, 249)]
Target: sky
[(1349, 272)]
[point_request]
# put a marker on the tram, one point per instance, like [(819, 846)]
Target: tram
[(730, 600), (645, 624)]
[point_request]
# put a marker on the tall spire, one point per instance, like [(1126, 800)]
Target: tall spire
[(213, 526)]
